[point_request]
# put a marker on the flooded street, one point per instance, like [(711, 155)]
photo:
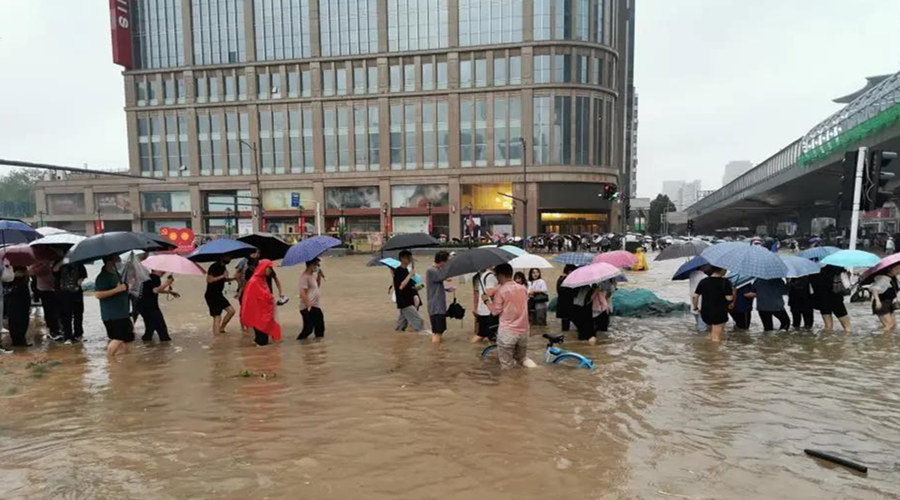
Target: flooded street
[(370, 413)]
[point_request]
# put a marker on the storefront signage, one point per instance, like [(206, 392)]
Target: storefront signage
[(183, 238)]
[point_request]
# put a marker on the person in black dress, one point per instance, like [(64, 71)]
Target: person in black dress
[(18, 306), (717, 293), (216, 277), (564, 298)]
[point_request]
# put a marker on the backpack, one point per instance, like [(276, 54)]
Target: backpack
[(456, 310), (840, 284), (68, 278)]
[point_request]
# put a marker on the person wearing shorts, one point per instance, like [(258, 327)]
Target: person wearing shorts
[(509, 302), (437, 296), (884, 291), (828, 302), (712, 298), (216, 277), (485, 322), (114, 307)]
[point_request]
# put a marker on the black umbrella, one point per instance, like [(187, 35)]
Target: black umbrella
[(270, 246), (475, 260), (683, 250), (115, 243), (412, 240)]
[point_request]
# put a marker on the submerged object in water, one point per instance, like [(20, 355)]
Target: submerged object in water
[(837, 460), (642, 303)]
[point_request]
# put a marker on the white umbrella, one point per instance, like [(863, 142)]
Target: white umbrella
[(58, 239), (47, 231), (529, 260)]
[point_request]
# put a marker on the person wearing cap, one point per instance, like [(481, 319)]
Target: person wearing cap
[(310, 303), (114, 307)]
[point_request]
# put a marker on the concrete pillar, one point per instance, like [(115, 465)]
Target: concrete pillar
[(187, 32), (197, 209), (250, 31), (455, 208)]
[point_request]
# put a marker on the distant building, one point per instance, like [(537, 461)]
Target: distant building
[(735, 169), (682, 193)]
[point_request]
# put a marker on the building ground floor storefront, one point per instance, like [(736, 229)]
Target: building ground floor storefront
[(478, 206)]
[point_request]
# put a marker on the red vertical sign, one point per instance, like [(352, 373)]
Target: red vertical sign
[(98, 227), (120, 27)]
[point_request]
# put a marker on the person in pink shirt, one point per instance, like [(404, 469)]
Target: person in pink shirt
[(509, 301)]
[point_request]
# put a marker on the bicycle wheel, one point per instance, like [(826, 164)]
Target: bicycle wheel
[(487, 350), (572, 359)]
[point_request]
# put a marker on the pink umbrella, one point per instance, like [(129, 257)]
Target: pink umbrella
[(879, 268), (171, 263), (590, 274), (25, 255), (618, 258)]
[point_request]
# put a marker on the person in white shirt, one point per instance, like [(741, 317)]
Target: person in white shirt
[(486, 323), (537, 297)]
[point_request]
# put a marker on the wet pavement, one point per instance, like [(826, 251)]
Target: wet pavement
[(370, 413)]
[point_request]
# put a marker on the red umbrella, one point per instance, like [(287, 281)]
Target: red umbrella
[(618, 258), (25, 255), (879, 268)]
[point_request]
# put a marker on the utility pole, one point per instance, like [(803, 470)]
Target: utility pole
[(857, 195), (524, 192)]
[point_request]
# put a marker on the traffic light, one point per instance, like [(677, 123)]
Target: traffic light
[(610, 192), (875, 180), (848, 180)]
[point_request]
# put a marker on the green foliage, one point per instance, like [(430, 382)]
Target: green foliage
[(17, 193), (657, 207)]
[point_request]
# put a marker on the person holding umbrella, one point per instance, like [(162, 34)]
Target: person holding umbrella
[(311, 307), (717, 293), (828, 296), (509, 301), (884, 291), (437, 296), (114, 307), (43, 272), (405, 291), (801, 303), (216, 277), (769, 295), (565, 297), (258, 306)]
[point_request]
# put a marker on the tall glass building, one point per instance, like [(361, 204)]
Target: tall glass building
[(369, 116)]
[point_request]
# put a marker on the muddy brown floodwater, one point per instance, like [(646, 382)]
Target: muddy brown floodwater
[(370, 413)]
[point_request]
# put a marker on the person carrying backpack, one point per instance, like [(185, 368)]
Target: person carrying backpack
[(70, 297)]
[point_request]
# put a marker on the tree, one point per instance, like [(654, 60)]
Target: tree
[(657, 207), (17, 192)]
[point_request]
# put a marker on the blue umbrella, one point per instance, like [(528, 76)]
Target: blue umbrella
[(798, 267), (14, 231), (751, 261), (394, 264), (818, 252), (684, 272), (216, 249), (309, 249), (851, 258), (575, 258)]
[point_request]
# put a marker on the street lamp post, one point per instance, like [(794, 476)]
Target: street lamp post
[(430, 225), (257, 160), (341, 225), (524, 193)]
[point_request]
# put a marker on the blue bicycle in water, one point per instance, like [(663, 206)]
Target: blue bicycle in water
[(554, 355)]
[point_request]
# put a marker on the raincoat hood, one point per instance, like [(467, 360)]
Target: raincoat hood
[(258, 303)]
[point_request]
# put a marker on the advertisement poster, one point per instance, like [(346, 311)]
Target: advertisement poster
[(351, 197), (486, 196), (280, 199), (174, 201), (65, 204), (113, 203), (419, 196), (183, 238), (406, 225)]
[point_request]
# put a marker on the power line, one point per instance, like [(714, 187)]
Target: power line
[(47, 166)]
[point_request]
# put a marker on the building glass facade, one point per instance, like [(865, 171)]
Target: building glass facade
[(313, 96)]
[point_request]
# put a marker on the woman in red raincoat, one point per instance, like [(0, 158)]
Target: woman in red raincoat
[(258, 305)]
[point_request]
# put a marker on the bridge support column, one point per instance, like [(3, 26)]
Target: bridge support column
[(804, 222)]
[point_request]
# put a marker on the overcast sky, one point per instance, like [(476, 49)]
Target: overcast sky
[(718, 80)]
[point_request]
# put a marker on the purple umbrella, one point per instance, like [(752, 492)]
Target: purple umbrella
[(879, 268), (309, 249)]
